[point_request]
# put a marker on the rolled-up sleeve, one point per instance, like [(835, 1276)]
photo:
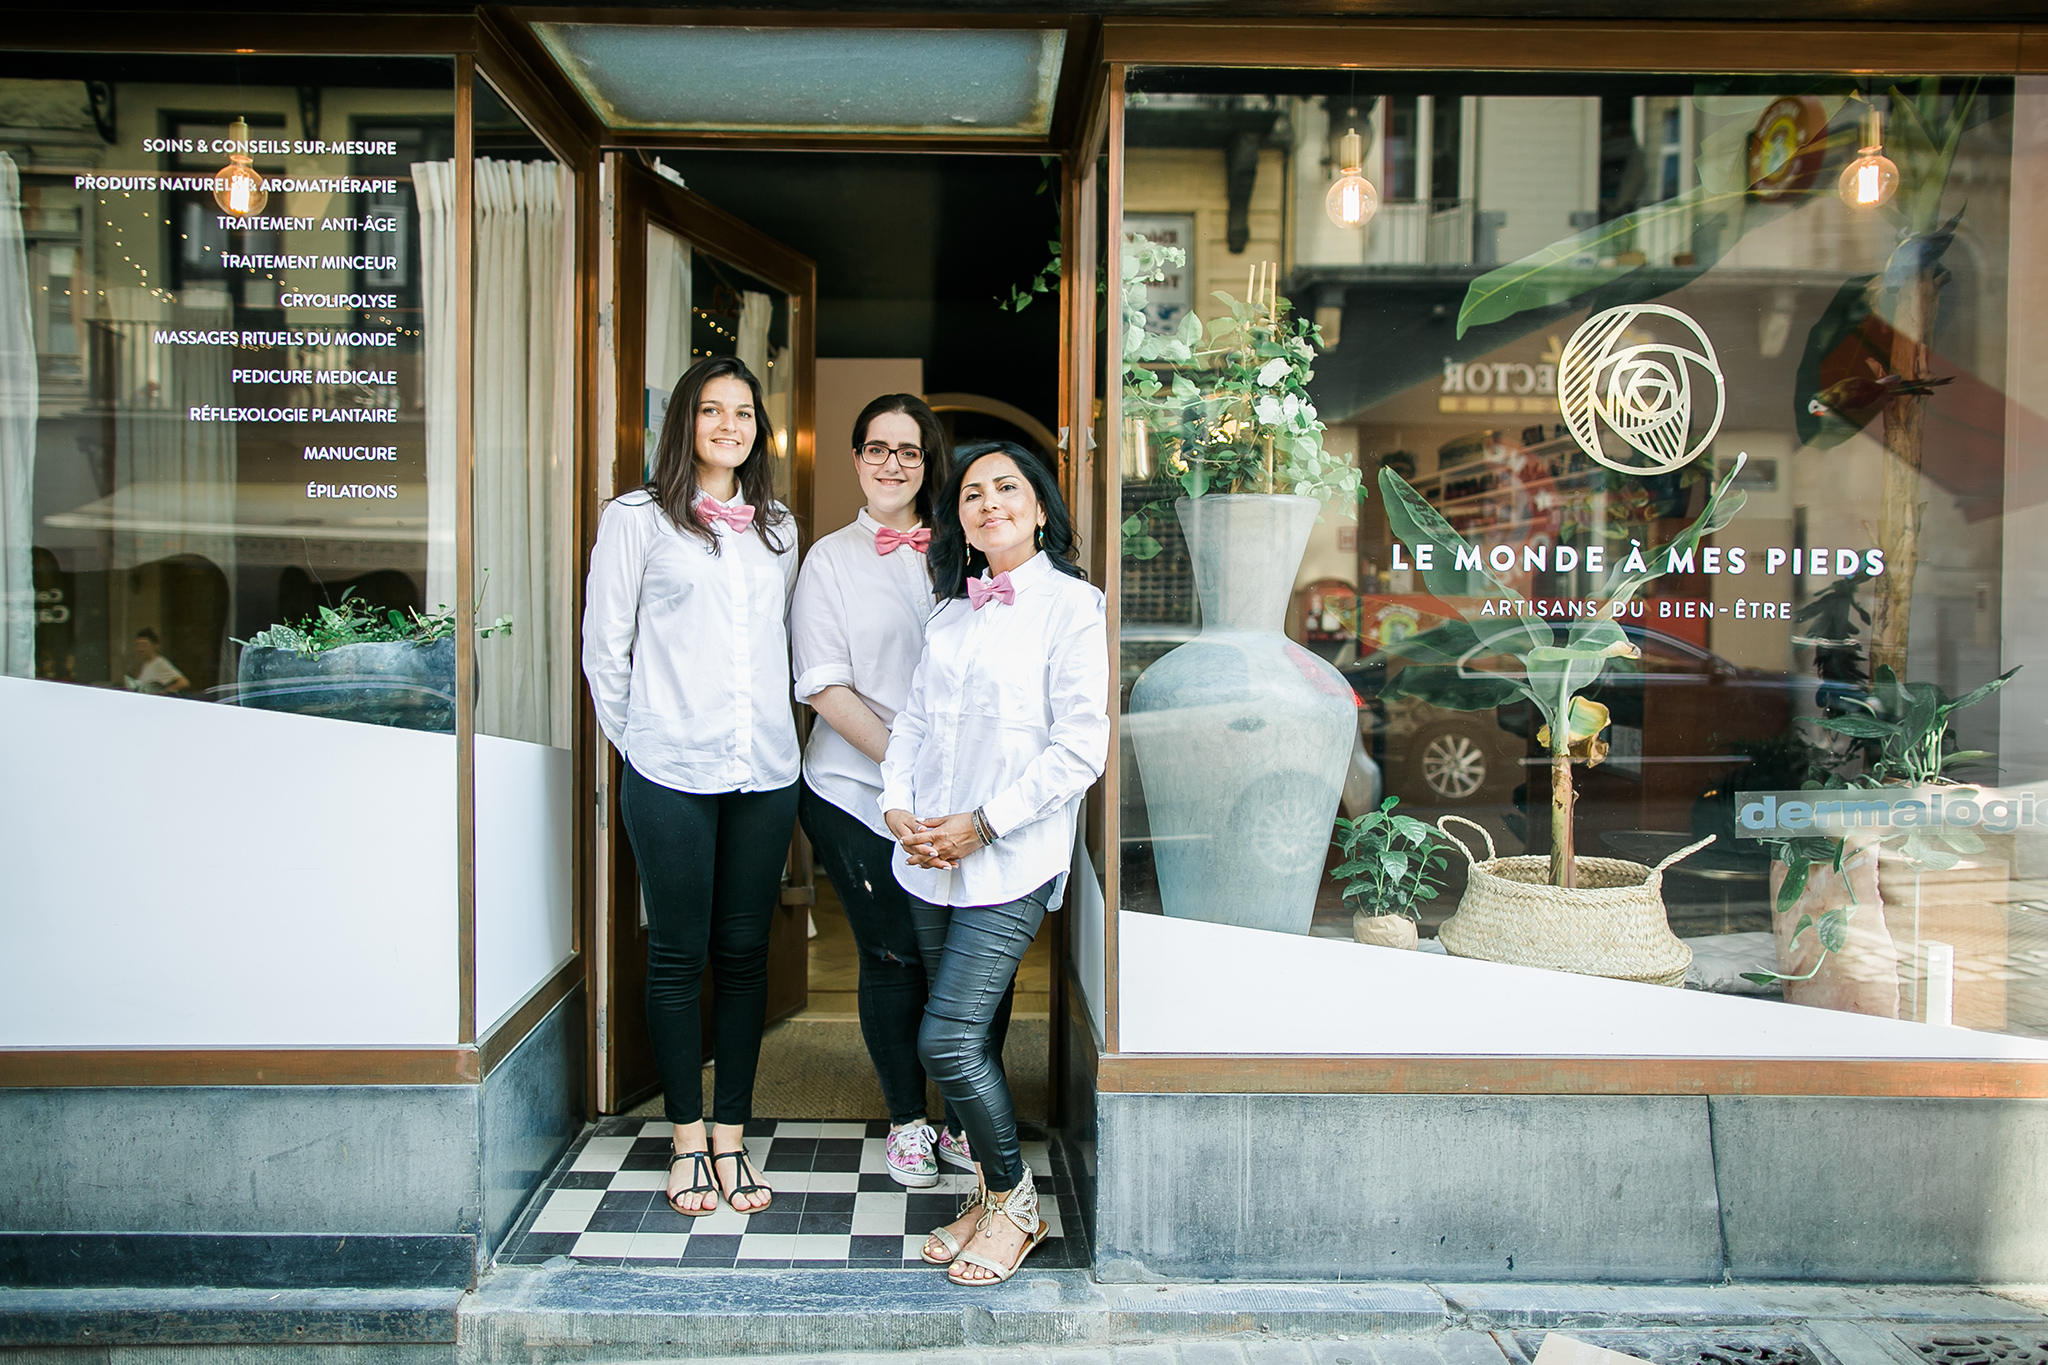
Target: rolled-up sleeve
[(819, 647), (1077, 694), (611, 614)]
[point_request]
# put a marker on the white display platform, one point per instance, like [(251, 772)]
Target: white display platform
[(1185, 986)]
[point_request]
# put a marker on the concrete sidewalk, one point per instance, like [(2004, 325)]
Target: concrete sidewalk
[(604, 1316)]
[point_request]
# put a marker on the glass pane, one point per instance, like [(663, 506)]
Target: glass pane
[(837, 80), (230, 389), (1686, 481), (227, 347), (525, 413), (699, 306)]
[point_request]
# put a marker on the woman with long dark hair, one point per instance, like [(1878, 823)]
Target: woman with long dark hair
[(1005, 729), (856, 628), (687, 652)]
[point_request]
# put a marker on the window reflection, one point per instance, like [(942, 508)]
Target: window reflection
[(1859, 367)]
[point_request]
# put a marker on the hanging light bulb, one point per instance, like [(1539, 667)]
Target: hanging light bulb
[(1871, 178), (239, 188), (1352, 201)]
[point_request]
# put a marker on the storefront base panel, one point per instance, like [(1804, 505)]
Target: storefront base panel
[(1609, 1189), (532, 1109), (1405, 1187), (304, 1185), (1935, 1190)]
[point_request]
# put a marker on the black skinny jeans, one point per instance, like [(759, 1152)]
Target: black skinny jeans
[(892, 973), (710, 868), (971, 956)]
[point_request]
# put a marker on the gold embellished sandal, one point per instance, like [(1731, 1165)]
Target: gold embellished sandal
[(944, 1236), (1020, 1206)]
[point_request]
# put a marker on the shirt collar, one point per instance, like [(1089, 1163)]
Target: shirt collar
[(870, 525), (739, 499), (1032, 571)]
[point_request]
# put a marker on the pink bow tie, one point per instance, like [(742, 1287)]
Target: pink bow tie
[(887, 540), (712, 510), (982, 591)]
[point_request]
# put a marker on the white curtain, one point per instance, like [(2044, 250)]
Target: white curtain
[(668, 323), (757, 311), (18, 408), (524, 429), (433, 185)]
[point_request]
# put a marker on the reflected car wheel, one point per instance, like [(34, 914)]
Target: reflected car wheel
[(1453, 766)]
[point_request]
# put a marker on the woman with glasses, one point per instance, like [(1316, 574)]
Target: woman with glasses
[(1005, 728), (856, 628), (687, 654)]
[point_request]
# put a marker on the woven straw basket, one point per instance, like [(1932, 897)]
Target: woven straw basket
[(1611, 924)]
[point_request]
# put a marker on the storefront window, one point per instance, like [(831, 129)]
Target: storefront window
[(220, 408), (1624, 479), (524, 539), (227, 551)]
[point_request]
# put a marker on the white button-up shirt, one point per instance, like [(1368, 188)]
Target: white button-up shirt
[(1008, 711), (857, 621), (687, 652)]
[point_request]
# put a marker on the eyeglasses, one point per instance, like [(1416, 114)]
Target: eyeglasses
[(874, 452)]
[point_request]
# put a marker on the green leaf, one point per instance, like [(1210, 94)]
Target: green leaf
[(1796, 873), (1805, 923), (1977, 694), (1557, 273), (1859, 727), (1833, 929), (1723, 503)]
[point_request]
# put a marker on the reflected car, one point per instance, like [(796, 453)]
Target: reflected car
[(1697, 706)]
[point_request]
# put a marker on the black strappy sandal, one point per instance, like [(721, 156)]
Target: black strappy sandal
[(741, 1172), (704, 1183)]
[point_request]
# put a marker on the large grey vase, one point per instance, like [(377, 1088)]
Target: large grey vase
[(1242, 736)]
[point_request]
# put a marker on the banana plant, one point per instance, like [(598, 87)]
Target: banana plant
[(1495, 654)]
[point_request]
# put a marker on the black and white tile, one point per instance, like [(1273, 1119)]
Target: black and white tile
[(835, 1205)]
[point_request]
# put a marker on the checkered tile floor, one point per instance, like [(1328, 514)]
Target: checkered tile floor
[(835, 1205)]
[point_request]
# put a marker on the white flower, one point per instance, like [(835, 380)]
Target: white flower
[(1275, 370), (1268, 409)]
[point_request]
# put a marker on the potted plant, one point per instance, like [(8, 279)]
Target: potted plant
[(1242, 736), (1860, 892), (354, 662), (1602, 916), (1392, 863)]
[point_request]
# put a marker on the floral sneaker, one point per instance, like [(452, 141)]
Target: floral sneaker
[(954, 1151), (909, 1151)]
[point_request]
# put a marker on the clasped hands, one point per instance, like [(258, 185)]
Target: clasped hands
[(939, 843)]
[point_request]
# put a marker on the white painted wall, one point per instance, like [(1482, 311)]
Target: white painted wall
[(844, 388), (525, 865), (1187, 986), (1539, 162), (179, 874)]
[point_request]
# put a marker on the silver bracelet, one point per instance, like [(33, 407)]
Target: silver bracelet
[(983, 828)]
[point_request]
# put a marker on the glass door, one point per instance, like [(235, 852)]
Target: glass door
[(694, 282)]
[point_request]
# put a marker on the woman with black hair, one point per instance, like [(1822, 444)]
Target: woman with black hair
[(687, 652), (1005, 729), (856, 627)]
